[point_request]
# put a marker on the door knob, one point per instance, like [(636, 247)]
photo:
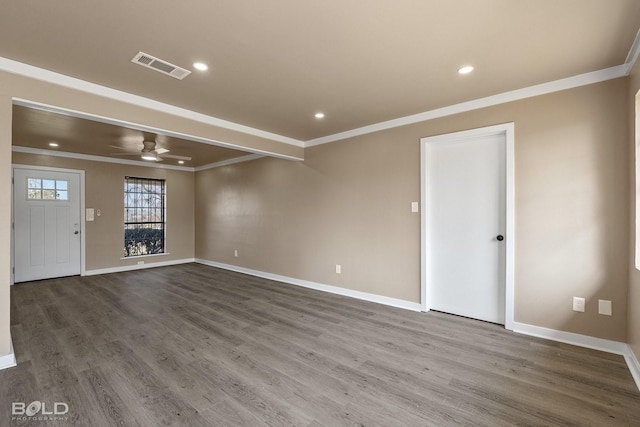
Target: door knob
[(500, 237), (76, 232)]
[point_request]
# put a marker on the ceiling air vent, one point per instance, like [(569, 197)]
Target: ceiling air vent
[(161, 66)]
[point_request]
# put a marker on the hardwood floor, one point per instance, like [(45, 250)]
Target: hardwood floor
[(197, 346)]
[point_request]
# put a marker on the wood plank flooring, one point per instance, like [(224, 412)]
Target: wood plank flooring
[(197, 346)]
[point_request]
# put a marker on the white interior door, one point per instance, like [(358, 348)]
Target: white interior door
[(46, 224), (466, 226)]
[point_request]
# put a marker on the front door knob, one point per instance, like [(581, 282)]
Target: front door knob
[(500, 237)]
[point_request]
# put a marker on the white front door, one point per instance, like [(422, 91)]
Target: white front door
[(47, 223), (466, 226)]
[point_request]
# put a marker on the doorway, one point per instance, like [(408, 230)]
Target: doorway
[(467, 223), (47, 222)]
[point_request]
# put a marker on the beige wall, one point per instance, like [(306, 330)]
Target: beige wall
[(348, 203), (104, 189), (634, 275), (5, 218)]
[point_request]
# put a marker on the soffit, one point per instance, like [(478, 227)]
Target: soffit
[(35, 128)]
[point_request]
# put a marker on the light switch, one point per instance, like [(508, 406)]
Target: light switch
[(578, 304), (415, 207), (89, 214), (98, 212)]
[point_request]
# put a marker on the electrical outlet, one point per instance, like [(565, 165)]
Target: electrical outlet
[(415, 207), (338, 269), (140, 262), (604, 307), (578, 304)]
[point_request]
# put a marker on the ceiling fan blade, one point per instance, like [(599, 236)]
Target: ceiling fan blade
[(171, 156), (124, 149), (137, 153), (150, 146)]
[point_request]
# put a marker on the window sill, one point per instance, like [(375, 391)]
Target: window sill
[(144, 256)]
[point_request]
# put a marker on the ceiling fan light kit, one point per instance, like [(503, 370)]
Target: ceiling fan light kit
[(149, 152)]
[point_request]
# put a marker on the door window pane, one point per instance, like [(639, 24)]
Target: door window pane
[(47, 189)]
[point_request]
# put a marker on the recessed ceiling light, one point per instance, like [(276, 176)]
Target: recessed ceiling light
[(465, 70), (201, 66), (54, 144), (319, 115), (181, 162)]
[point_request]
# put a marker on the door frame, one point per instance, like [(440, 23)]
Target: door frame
[(507, 130), (81, 192)]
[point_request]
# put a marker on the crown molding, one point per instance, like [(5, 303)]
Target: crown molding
[(229, 162), (489, 101), (41, 74), (77, 156), (515, 95)]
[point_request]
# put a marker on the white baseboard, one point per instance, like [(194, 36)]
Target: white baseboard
[(122, 268), (633, 364), (407, 305), (8, 360), (608, 346)]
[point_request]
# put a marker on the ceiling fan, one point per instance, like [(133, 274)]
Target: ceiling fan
[(149, 152)]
